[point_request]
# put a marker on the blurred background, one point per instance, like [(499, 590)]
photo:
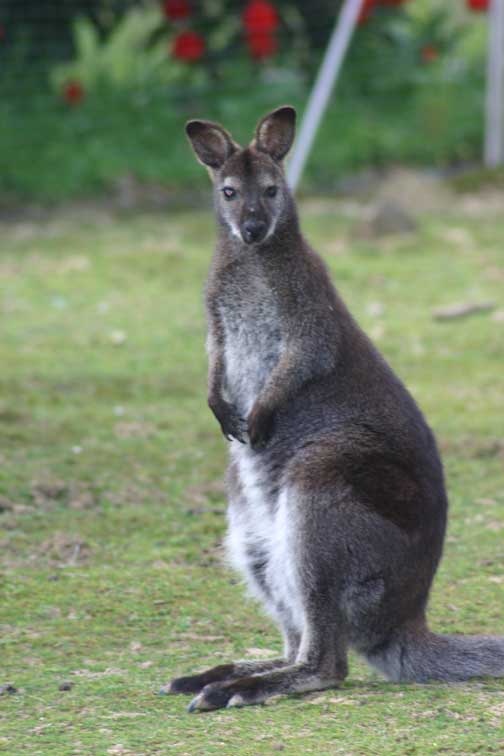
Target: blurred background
[(94, 93)]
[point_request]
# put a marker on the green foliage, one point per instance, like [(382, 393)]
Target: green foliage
[(111, 499), (390, 105), (51, 152), (128, 56)]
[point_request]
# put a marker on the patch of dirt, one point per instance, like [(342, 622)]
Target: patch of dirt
[(119, 750), (64, 550), (8, 506), (50, 492), (482, 204), (416, 191), (203, 496), (202, 638), (261, 653), (90, 675), (134, 429), (133, 494), (471, 448), (387, 218)]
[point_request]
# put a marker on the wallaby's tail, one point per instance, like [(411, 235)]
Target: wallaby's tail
[(421, 656)]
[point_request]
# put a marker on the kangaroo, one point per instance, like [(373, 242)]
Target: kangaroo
[(337, 504)]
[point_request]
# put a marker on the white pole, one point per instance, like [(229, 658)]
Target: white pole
[(328, 73), (494, 137)]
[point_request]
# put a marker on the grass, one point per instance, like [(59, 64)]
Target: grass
[(112, 502)]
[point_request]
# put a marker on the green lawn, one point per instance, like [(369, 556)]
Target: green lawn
[(112, 502)]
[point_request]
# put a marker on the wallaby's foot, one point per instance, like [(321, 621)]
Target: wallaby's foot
[(224, 672), (194, 683), (256, 689)]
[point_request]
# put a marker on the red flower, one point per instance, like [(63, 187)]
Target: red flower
[(176, 10), (73, 92), (367, 8), (261, 45), (429, 53), (188, 46), (260, 17), (478, 5)]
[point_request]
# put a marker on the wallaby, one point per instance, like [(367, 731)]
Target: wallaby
[(337, 505)]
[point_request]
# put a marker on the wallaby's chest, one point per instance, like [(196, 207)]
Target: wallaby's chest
[(252, 340)]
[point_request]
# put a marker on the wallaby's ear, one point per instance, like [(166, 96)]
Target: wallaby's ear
[(211, 143), (275, 132)]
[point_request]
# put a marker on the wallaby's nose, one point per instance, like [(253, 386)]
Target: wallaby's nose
[(253, 230)]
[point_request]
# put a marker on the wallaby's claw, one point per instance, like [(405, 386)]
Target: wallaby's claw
[(197, 704), (232, 425), (213, 696), (226, 695), (193, 706), (235, 429)]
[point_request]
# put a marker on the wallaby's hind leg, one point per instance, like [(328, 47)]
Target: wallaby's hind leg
[(319, 665), (195, 683), (299, 575)]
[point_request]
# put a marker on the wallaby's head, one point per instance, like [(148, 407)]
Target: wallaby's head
[(251, 193)]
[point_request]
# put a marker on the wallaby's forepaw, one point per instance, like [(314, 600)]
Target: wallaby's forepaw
[(220, 695), (232, 425), (235, 427), (260, 426)]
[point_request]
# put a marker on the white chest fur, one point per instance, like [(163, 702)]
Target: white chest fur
[(253, 344), (261, 541)]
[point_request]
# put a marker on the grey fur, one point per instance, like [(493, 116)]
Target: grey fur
[(337, 506)]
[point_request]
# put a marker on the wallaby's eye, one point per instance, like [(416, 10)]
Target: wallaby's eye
[(229, 192), (271, 191)]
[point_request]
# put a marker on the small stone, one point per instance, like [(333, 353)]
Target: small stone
[(387, 219), (7, 689), (5, 504), (461, 310), (391, 218), (82, 500), (65, 685), (117, 337)]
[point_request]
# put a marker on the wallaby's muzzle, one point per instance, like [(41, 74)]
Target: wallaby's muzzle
[(253, 230)]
